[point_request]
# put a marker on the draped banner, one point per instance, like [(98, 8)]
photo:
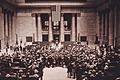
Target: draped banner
[(56, 13)]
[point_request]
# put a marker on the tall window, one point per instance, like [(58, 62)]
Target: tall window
[(67, 21), (45, 22)]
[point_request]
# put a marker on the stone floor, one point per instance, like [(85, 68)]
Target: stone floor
[(57, 73)]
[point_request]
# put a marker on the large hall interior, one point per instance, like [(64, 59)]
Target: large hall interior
[(79, 38)]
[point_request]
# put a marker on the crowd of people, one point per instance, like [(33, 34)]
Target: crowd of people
[(81, 61)]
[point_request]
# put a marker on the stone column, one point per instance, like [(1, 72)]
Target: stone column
[(106, 27), (14, 29), (7, 25), (36, 21), (100, 26), (10, 30), (5, 28), (50, 28), (73, 28), (34, 27), (39, 28), (117, 25), (103, 27), (62, 29), (2, 30), (78, 27), (111, 28)]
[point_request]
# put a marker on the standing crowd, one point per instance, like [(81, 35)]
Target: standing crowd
[(81, 61)]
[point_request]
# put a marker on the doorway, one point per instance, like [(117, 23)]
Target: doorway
[(56, 37)]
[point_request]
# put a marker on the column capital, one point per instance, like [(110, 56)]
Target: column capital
[(99, 13), (78, 14), (50, 15), (33, 14), (7, 11), (39, 14), (12, 13), (62, 14), (0, 10), (73, 14), (4, 10)]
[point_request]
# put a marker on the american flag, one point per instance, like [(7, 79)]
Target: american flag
[(56, 13)]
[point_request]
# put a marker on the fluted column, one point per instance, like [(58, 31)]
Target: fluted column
[(119, 25), (101, 40), (34, 27), (2, 30), (73, 28), (111, 28), (115, 26), (62, 29), (7, 25), (78, 27), (10, 30), (103, 28), (5, 28), (39, 28), (36, 22), (106, 27), (13, 29), (50, 28), (100, 26)]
